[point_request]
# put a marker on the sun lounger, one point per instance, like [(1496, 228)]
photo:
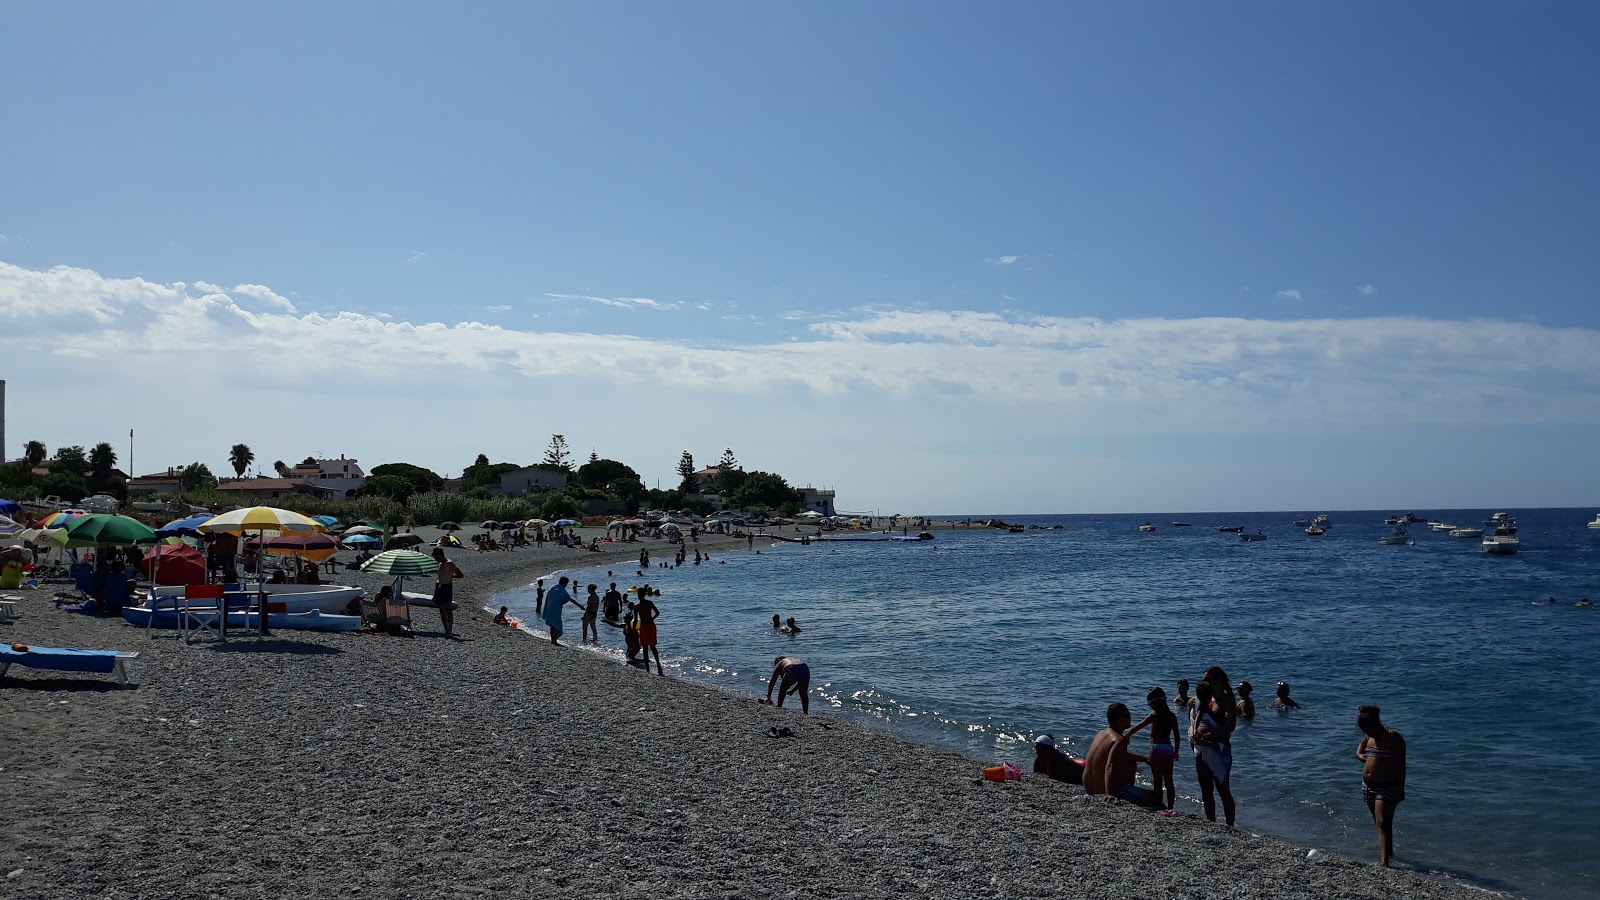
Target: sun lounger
[(63, 659)]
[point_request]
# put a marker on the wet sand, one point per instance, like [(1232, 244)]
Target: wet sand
[(494, 764)]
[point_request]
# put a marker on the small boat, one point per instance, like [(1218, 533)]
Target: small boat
[(1186, 524), (1501, 544), (1596, 522), (1016, 529), (1322, 522), (1398, 538), (1316, 531), (1258, 536), (1467, 533), (294, 598), (1393, 520), (1411, 518), (1442, 526), (1147, 527), (1302, 523), (1236, 529), (145, 617), (1497, 519)]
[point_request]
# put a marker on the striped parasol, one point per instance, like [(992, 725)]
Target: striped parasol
[(401, 563)]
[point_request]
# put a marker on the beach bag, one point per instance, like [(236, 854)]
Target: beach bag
[(1002, 772)]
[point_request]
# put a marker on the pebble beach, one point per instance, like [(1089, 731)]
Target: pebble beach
[(493, 764)]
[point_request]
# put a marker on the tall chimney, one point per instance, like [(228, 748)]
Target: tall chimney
[(2, 420)]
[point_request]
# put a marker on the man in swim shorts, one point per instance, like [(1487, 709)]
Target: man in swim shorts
[(791, 675), (1109, 768), (1382, 752), (444, 591)]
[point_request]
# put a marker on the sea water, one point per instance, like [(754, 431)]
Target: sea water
[(981, 639)]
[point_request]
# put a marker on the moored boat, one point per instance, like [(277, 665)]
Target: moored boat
[(1501, 544), (1400, 536), (1147, 527), (1258, 536), (1467, 533), (1596, 522), (1316, 531), (1231, 528)]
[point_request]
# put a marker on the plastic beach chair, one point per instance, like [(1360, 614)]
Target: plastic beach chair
[(68, 660), (213, 617)]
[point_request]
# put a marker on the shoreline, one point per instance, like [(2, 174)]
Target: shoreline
[(377, 766)]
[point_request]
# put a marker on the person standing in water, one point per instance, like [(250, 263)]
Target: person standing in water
[(1284, 701), (611, 604), (1382, 752), (591, 615), (444, 591), (538, 598), (646, 613), (554, 601), (1163, 747), (1210, 726), (777, 622), (791, 675)]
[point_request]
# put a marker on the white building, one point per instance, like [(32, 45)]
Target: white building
[(341, 477), (819, 499)]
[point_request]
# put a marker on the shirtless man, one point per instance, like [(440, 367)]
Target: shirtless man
[(1109, 768), (611, 604), (444, 591), (1383, 776), (791, 675)]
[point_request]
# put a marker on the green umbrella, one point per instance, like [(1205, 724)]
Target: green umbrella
[(101, 530), (401, 562)]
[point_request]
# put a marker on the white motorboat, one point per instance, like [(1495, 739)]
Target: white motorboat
[(1302, 523), (1467, 533), (296, 598), (1498, 519), (1316, 531), (1596, 522), (1398, 538), (1501, 543), (1147, 527), (1441, 526), (1322, 522)]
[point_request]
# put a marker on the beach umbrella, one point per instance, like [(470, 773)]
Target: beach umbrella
[(536, 522), (10, 527), (315, 547), (401, 563), (360, 539), (101, 530), (401, 541), (327, 521), (187, 525), (670, 527), (181, 564), (261, 519), (563, 523), (449, 526), (617, 524), (58, 519), (633, 521), (10, 507), (362, 529)]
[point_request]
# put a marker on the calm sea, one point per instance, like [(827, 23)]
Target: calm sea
[(979, 640)]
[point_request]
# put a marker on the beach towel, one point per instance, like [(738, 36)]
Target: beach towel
[(62, 659)]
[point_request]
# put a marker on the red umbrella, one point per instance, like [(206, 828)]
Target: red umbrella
[(180, 564)]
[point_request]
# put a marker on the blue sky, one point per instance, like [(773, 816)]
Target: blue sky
[(1022, 257)]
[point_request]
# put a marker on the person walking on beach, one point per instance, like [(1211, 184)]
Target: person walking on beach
[(1163, 747), (1382, 752), (591, 615), (444, 590), (554, 601), (1209, 728), (1109, 768), (646, 613), (791, 675)]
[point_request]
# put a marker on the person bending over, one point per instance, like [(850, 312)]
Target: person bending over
[(1109, 768), (1383, 776), (791, 675)]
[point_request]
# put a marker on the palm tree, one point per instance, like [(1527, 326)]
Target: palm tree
[(34, 452), (101, 459), (240, 457), (282, 468)]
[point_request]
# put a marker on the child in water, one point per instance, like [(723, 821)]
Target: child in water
[(501, 618), (1284, 701)]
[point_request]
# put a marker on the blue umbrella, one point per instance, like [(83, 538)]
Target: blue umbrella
[(361, 539), (9, 507), (563, 523), (329, 521), (182, 527)]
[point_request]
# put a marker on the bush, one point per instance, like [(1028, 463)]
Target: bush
[(71, 488), (433, 507), (378, 509)]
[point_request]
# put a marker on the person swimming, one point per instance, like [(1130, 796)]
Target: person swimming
[(777, 621), (1284, 701), (790, 628), (1583, 602)]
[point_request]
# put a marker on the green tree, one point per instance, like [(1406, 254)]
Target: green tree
[(66, 485), (560, 506), (557, 456), (34, 452), (198, 475), (392, 486), (422, 480), (686, 481), (282, 468), (485, 475), (629, 491), (728, 460), (765, 489), (729, 481), (599, 473), (482, 460), (101, 460), (594, 455), (71, 459), (240, 457)]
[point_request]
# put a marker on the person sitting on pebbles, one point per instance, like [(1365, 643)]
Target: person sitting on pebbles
[(791, 675)]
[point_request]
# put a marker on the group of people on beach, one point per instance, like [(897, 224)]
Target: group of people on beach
[(636, 617), (1213, 713)]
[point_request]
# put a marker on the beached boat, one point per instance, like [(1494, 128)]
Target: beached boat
[(294, 598), (1467, 533), (1258, 536), (145, 617), (1147, 527)]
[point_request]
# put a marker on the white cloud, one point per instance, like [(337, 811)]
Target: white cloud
[(620, 302), (1002, 260), (416, 256), (1367, 290), (1289, 295), (497, 309)]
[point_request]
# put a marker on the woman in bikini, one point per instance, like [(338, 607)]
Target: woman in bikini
[(1383, 776), (1210, 725)]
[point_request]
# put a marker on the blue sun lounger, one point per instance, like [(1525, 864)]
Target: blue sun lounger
[(63, 659)]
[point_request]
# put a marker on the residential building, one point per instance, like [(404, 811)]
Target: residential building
[(342, 477), (168, 482), (254, 490), (530, 478), (819, 499)]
